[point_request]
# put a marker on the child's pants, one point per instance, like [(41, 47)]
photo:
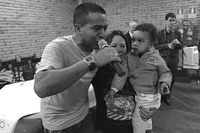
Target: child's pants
[(147, 101)]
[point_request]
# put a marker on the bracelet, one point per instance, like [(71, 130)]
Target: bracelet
[(114, 89)]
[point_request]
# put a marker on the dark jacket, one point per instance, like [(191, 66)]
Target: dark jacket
[(129, 42), (163, 39), (101, 84)]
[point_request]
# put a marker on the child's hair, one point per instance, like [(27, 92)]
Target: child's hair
[(150, 28)]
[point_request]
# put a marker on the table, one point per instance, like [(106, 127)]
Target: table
[(20, 107)]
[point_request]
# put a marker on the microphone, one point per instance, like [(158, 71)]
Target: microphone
[(103, 44)]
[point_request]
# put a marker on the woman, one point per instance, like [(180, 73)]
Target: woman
[(101, 84)]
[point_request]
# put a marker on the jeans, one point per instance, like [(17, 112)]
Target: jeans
[(84, 126)]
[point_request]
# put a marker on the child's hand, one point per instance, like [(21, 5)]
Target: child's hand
[(164, 88), (145, 113)]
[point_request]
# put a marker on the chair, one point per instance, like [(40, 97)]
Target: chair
[(28, 67), (10, 65)]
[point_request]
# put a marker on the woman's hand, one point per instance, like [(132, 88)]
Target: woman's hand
[(110, 94), (146, 113), (109, 97)]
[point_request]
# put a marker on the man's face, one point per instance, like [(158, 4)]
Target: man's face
[(93, 31), (132, 27), (170, 22)]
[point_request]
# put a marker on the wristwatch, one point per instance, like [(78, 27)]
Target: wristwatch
[(91, 62)]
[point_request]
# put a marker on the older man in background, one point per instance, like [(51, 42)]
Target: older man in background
[(132, 26)]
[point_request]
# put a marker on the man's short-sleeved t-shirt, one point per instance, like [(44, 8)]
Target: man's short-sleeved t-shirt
[(70, 106)]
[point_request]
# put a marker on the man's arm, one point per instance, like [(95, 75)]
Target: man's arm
[(53, 81), (160, 45), (163, 46), (180, 45)]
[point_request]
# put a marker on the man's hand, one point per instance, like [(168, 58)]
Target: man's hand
[(170, 45), (146, 114), (105, 56), (164, 88), (176, 44)]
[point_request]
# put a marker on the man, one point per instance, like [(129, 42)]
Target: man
[(67, 67), (132, 25), (169, 46)]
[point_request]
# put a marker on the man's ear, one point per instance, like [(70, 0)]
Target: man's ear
[(77, 28)]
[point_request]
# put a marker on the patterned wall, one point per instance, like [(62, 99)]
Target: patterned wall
[(26, 26)]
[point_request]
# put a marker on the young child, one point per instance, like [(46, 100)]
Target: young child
[(147, 73)]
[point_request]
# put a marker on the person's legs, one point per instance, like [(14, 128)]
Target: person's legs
[(86, 125), (147, 101), (172, 64), (140, 126), (72, 129), (115, 126), (149, 131)]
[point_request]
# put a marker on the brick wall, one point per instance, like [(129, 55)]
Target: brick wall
[(121, 12), (26, 26)]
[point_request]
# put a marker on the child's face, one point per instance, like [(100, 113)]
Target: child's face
[(141, 41)]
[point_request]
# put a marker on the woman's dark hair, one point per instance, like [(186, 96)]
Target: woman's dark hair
[(82, 10), (172, 15), (113, 33), (150, 28)]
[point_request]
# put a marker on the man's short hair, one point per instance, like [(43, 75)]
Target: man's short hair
[(82, 10), (172, 15)]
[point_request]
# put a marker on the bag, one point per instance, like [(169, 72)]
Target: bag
[(120, 107)]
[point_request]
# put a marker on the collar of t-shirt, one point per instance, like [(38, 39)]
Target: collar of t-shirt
[(168, 32)]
